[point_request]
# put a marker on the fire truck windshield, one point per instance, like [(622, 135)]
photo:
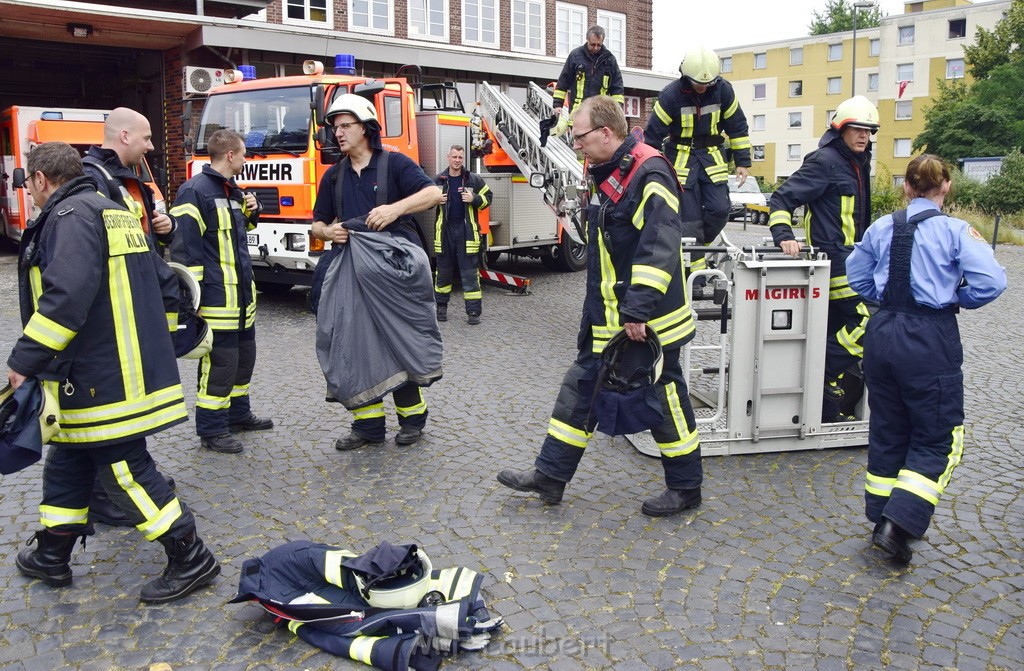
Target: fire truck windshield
[(271, 120)]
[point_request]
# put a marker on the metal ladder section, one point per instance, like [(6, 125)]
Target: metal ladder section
[(518, 133), (540, 103)]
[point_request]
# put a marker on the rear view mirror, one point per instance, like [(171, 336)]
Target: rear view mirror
[(19, 178)]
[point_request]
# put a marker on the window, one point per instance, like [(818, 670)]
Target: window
[(759, 91), (316, 12), (796, 89), (898, 180), (392, 117), (528, 25), (901, 147), (614, 25), (906, 35), (904, 109), (373, 16), (957, 28), (480, 23), (796, 119), (796, 56), (429, 19), (829, 115), (954, 68), (760, 61), (570, 28), (758, 152), (727, 64), (873, 81), (794, 152), (905, 72), (874, 47), (835, 52), (758, 122), (835, 85)]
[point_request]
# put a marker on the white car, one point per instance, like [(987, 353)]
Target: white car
[(741, 196)]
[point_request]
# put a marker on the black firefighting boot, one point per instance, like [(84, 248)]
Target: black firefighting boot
[(50, 560), (532, 480), (670, 502), (442, 312), (831, 401), (189, 566)]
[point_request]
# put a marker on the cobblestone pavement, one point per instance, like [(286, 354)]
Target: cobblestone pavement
[(774, 571)]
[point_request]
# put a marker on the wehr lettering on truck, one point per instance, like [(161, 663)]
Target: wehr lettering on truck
[(268, 171), (782, 293)]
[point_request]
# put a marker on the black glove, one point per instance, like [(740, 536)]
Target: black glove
[(545, 129)]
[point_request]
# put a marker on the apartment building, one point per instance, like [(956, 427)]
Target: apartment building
[(789, 89), (134, 52)]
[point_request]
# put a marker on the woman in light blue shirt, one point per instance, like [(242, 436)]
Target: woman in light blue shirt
[(921, 266)]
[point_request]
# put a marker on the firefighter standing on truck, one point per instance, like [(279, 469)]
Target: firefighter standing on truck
[(634, 281), (213, 218), (96, 333), (834, 183), (689, 118), (457, 234), (589, 70), (409, 190)]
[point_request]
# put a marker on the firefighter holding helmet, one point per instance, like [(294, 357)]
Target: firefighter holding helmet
[(687, 125), (834, 183)]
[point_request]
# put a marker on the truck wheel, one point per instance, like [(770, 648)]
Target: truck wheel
[(568, 256), (492, 258)]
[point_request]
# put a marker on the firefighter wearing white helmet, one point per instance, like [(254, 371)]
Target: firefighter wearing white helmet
[(350, 190), (688, 123), (834, 184)]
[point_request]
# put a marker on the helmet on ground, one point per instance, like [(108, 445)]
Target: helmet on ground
[(357, 106), (194, 338), (29, 419), (630, 364), (403, 589), (700, 64), (856, 112)]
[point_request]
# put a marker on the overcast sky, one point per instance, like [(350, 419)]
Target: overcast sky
[(731, 23)]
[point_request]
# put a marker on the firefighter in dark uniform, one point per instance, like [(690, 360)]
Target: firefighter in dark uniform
[(213, 218), (127, 138), (834, 183), (689, 118), (634, 280), (589, 70), (96, 332), (457, 234), (921, 266)]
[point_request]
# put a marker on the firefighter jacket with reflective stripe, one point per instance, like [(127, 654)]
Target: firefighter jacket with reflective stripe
[(585, 75), (123, 186), (834, 185), (634, 268), (95, 320), (687, 126), (211, 241), (481, 201), (305, 584)]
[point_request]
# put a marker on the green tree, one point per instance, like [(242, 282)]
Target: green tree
[(837, 17), (1002, 193), (999, 46)]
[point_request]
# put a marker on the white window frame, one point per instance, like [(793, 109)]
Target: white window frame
[(796, 120), (764, 91), (762, 58), (898, 180), (758, 122), (829, 116), (726, 65), (835, 52), (793, 152), (525, 6), (800, 86), (572, 40), (900, 78), (950, 29), (872, 81), (838, 81), (496, 42), (954, 65), (390, 30), (445, 21), (874, 46), (907, 109), (905, 35), (901, 147), (757, 152), (796, 56), (614, 37), (328, 23)]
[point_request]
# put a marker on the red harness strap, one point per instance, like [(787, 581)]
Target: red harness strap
[(616, 184)]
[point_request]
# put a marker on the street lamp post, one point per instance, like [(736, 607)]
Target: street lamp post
[(857, 6)]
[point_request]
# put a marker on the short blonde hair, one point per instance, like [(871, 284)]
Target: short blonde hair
[(605, 112)]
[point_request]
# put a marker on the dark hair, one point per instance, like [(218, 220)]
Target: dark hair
[(926, 173), (223, 141), (58, 161), (595, 31)]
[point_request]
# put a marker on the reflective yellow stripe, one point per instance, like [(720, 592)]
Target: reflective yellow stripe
[(370, 411), (158, 520), (955, 455), (879, 486), (673, 326), (126, 333), (473, 295), (682, 159), (839, 287), (688, 440), (567, 434), (846, 217), (144, 424), (47, 332), (619, 98), (611, 302), (172, 321), (415, 409), (332, 566), (850, 340), (197, 271), (650, 276), (741, 142), (654, 189), (919, 486), (190, 210), (662, 114), (780, 217), (239, 390), (361, 648), (293, 626), (35, 280), (52, 516), (446, 289), (124, 408), (732, 108)]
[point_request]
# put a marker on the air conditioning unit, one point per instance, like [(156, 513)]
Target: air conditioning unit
[(201, 80)]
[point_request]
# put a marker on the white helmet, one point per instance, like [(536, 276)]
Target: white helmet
[(357, 106), (700, 64), (194, 337), (856, 112), (402, 591)]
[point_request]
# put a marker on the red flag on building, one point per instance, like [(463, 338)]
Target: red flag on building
[(903, 87)]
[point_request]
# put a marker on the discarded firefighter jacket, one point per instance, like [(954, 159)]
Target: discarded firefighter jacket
[(307, 585)]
